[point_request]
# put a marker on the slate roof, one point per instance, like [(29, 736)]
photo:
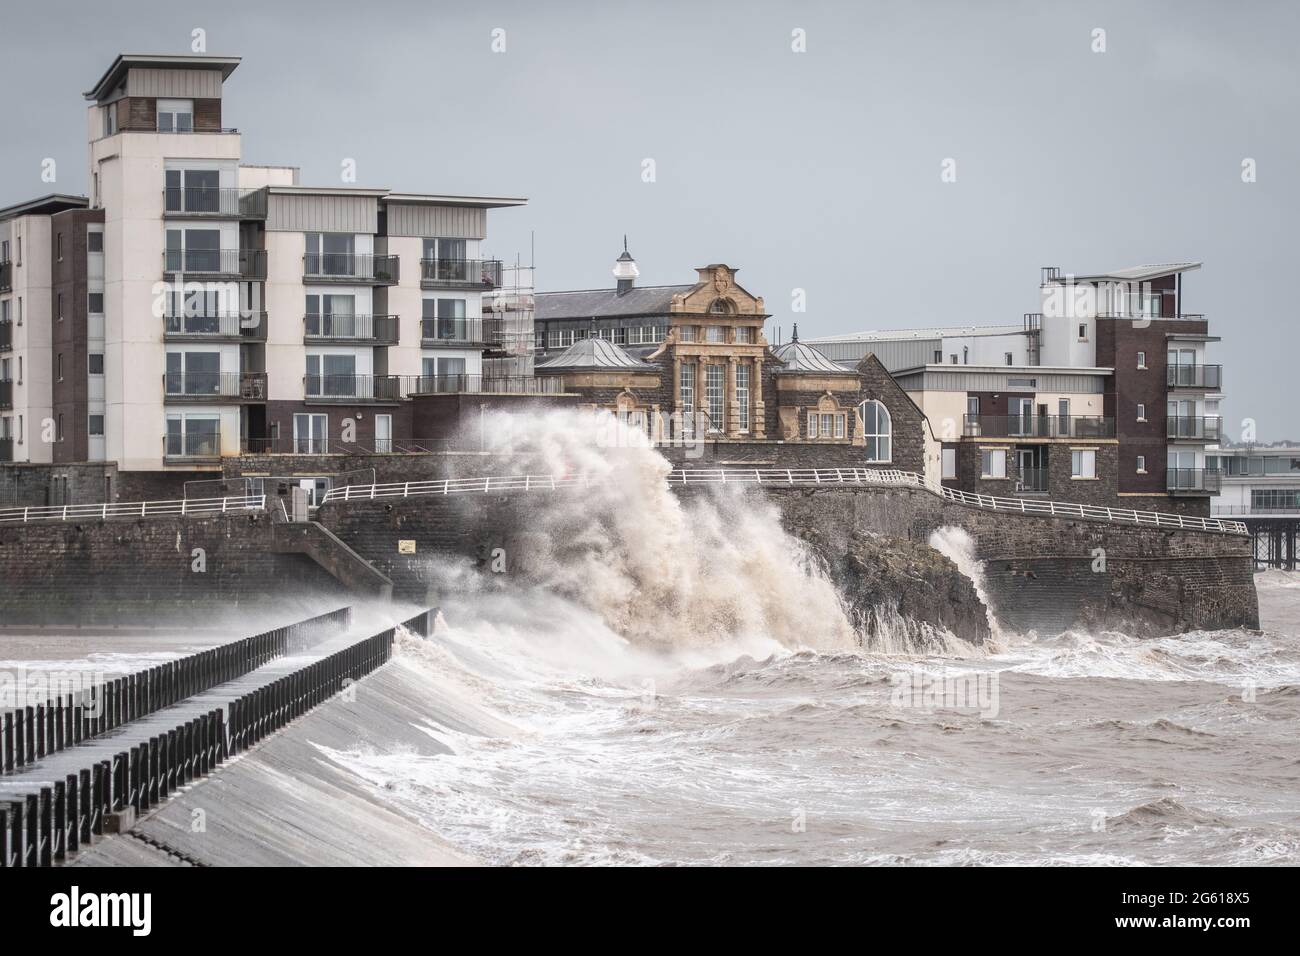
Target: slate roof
[(599, 303), (800, 358), (594, 355)]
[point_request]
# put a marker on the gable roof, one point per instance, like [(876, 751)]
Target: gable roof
[(602, 303), (594, 355)]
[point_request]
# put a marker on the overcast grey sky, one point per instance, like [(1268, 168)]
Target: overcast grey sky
[(816, 170)]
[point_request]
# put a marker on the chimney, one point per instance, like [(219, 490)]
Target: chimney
[(625, 270)]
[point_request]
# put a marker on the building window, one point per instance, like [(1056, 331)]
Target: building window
[(993, 463), (58, 367), (1142, 412), (1008, 357), (95, 303), (95, 426), (95, 363), (110, 120), (59, 306), (1142, 360), (1083, 331), (877, 431), (193, 373), (1083, 463), (952, 359), (948, 459), (1141, 464), (383, 434), (58, 428), (972, 405), (687, 333), (742, 397), (559, 338), (715, 333), (746, 334), (330, 254), (94, 241), (175, 116), (193, 436), (58, 246), (310, 434), (713, 385), (686, 394), (334, 376), (938, 356)]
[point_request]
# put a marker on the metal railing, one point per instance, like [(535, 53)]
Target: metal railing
[(198, 385), (1032, 480), (332, 446), (1193, 479), (1194, 428), (1038, 426), (6, 275), (346, 266), (6, 393), (499, 385), (214, 201), (360, 328), (227, 325), (796, 477), (461, 330), (349, 388), (244, 263), (134, 509), (1256, 509), (1194, 376), (461, 273), (6, 334), (193, 445)]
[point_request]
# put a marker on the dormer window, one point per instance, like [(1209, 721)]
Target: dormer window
[(175, 116)]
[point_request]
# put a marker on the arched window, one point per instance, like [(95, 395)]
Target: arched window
[(722, 307), (877, 431)]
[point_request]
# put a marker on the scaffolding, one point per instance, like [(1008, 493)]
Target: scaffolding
[(508, 313)]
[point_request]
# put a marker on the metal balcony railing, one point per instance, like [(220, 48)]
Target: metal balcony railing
[(1195, 376), (1194, 428), (6, 335), (6, 394), (443, 331), (1193, 479), (6, 275), (215, 385), (1032, 480), (379, 329), (1038, 426), (461, 273), (214, 202), (241, 263), (224, 325), (350, 267), (458, 384), (192, 444), (351, 388)]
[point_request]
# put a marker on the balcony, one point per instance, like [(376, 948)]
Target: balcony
[(352, 388), (458, 331), (347, 267), (1208, 378), (6, 276), (6, 449), (232, 326), (211, 202), (499, 385), (1193, 480), (1031, 481), (1038, 426), (6, 335), (6, 394), (230, 263), (460, 273), (1193, 428), (371, 329), (214, 387), (192, 447)]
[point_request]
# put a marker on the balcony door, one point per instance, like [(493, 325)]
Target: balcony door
[(1183, 362), (1020, 416), (310, 434), (193, 373), (193, 190), (331, 254), (194, 250)]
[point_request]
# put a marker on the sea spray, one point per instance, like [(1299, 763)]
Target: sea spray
[(958, 546), (657, 569)]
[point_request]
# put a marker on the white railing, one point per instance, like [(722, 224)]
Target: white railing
[(135, 509), (803, 477)]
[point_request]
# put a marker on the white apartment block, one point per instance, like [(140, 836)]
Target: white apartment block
[(194, 307)]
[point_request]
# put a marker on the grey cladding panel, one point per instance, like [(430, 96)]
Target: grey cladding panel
[(178, 84), (311, 213), (451, 222)]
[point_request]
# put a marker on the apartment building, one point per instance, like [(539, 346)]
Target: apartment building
[(194, 306), (1256, 480), (1104, 396)]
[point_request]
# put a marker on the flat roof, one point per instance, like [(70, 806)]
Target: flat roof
[(388, 196), (167, 61), (1004, 369), (46, 205), (891, 335), (1132, 273)]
